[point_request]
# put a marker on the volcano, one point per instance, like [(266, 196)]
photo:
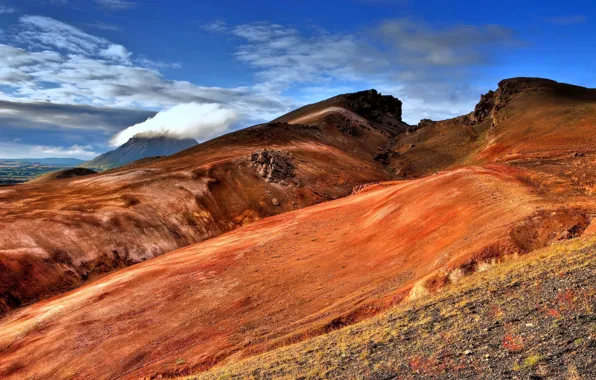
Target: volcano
[(137, 148)]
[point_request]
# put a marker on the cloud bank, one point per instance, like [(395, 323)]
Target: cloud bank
[(189, 120)]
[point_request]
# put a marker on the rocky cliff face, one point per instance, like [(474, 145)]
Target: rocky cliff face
[(491, 102), (372, 104)]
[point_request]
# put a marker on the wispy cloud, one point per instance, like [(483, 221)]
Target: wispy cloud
[(216, 26), (6, 10), (567, 20), (48, 33), (398, 55), (116, 4), (414, 43), (157, 65), (285, 58), (104, 26), (17, 150), (72, 151), (64, 64)]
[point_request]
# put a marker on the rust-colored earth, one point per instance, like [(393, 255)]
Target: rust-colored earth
[(58, 234), (514, 175)]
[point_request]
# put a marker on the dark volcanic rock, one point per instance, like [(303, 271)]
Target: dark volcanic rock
[(74, 172), (372, 104), (425, 123), (484, 108), (491, 102), (273, 165)]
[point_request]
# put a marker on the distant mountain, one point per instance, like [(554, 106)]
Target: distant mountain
[(137, 148), (52, 161)]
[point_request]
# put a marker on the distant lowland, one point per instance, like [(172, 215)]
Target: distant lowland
[(14, 171)]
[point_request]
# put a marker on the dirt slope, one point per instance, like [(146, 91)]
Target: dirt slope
[(56, 235), (532, 318), (280, 279)]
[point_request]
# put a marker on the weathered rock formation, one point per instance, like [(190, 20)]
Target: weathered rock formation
[(273, 165)]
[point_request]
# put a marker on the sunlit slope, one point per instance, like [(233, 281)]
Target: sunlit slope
[(528, 318), (281, 279), (56, 235), (538, 124)]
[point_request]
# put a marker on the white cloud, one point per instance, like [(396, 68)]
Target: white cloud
[(190, 120), (48, 33), (17, 150), (11, 77), (6, 10), (62, 64), (157, 65), (116, 53), (104, 26), (217, 26), (116, 4), (285, 58), (73, 151)]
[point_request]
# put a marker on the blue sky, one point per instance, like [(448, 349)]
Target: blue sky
[(78, 77)]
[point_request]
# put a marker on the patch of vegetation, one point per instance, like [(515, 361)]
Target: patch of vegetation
[(13, 171)]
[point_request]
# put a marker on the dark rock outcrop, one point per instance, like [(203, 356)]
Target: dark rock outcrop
[(74, 172), (273, 165), (373, 105)]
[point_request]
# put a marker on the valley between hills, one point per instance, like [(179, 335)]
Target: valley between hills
[(337, 233)]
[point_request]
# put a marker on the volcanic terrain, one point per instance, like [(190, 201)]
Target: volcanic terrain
[(430, 204), (58, 234)]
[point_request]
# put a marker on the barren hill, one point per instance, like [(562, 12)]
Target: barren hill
[(515, 175), (56, 235)]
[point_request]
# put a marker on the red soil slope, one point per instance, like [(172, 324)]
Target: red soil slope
[(275, 281), (58, 234), (530, 181)]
